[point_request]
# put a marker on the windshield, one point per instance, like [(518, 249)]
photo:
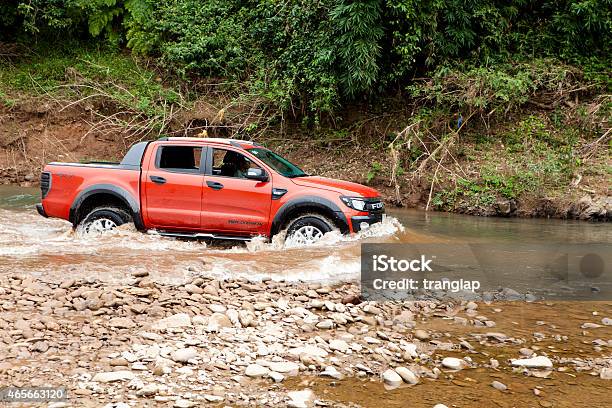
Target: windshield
[(281, 165)]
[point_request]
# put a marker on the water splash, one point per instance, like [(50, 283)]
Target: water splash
[(50, 248)]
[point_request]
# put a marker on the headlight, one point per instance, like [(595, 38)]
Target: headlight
[(355, 203)]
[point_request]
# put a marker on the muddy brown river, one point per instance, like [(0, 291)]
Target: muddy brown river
[(49, 248)]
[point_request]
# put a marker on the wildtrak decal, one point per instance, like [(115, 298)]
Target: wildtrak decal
[(243, 222)]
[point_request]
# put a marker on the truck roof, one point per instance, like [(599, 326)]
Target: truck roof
[(218, 140)]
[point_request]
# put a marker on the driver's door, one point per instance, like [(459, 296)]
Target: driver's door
[(231, 204)]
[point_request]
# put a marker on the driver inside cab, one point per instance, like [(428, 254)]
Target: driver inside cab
[(235, 165)]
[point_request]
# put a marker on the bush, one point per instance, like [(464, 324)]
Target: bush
[(313, 57)]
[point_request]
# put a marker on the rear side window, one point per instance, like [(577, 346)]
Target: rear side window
[(180, 158)]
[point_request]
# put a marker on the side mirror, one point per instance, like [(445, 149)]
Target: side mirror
[(257, 174)]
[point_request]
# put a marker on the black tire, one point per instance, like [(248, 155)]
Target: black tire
[(319, 222), (117, 216)]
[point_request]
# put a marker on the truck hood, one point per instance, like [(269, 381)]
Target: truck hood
[(342, 187)]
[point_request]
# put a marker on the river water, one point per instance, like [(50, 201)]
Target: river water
[(49, 248)]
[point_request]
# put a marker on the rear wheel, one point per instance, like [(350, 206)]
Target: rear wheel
[(308, 229), (103, 219)]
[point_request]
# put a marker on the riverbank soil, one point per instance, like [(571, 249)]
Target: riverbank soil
[(497, 179), (239, 343)]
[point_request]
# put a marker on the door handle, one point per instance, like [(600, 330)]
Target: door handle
[(214, 185), (157, 179)]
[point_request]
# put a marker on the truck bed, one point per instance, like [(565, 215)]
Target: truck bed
[(71, 183)]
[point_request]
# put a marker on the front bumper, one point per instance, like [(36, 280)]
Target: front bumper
[(358, 220), (41, 210)]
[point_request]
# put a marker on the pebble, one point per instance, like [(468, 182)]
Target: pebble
[(499, 386), (277, 377), (606, 373), (392, 378), (191, 288), (421, 334), (411, 349), (67, 284), (147, 390), (113, 376), (174, 321), (330, 371), (140, 274), (338, 345), (407, 375), (440, 406), (285, 367), (309, 350), (371, 340), (121, 323), (300, 399), (534, 362), (217, 321), (184, 355), (255, 370), (213, 398), (183, 403), (606, 321), (325, 324), (453, 363)]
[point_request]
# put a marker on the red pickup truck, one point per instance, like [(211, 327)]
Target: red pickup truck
[(206, 188)]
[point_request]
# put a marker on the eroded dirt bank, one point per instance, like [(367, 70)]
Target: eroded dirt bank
[(238, 343), (37, 131)]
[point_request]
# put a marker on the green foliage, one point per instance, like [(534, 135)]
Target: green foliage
[(75, 72), (311, 57), (373, 171), (358, 35), (533, 157), (486, 88)]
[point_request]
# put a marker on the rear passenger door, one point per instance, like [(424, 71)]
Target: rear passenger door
[(172, 186)]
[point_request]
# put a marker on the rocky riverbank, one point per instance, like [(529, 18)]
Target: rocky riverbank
[(241, 343)]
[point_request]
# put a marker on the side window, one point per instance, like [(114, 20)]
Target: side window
[(180, 158), (229, 163)]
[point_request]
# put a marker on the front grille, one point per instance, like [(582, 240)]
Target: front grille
[(375, 205), (45, 183)]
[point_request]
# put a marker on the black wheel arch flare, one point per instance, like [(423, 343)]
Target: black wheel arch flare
[(305, 204), (124, 196)]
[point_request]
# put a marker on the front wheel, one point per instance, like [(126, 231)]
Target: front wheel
[(103, 219), (308, 229)]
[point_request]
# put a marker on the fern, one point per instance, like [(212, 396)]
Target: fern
[(358, 35)]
